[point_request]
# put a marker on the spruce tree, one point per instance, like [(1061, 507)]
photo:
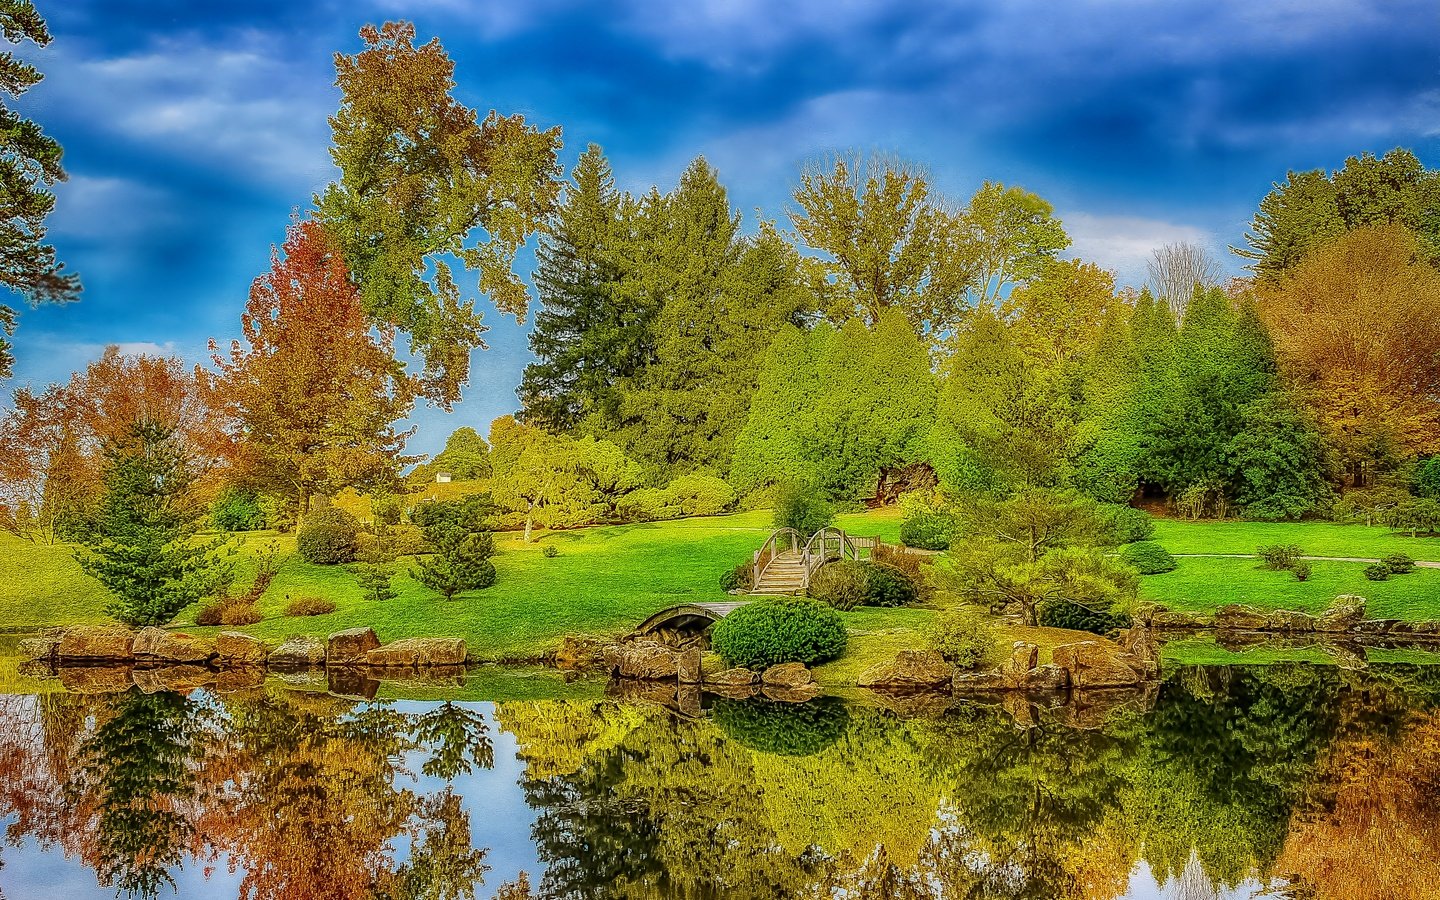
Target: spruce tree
[(461, 545), (140, 545)]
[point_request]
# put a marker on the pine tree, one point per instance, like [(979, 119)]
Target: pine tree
[(462, 551), (140, 544), (584, 336), (773, 447)]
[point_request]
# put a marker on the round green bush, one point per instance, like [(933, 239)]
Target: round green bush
[(1064, 614), (842, 584), (1377, 572), (328, 537), (769, 632), (802, 508), (1126, 524), (928, 526), (785, 729), (237, 510), (888, 586), (964, 636), (1399, 564), (1148, 557), (1301, 570)]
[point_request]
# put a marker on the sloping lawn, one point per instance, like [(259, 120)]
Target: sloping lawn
[(1201, 585), (1315, 538)]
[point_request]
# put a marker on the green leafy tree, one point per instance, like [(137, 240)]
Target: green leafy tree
[(1008, 235), (375, 567), (1310, 209), (466, 457), (773, 447), (420, 175), (1277, 460), (141, 544), (29, 167), (1106, 462)]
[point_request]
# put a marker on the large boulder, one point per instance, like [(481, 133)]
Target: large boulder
[(979, 682), (1096, 664), (1047, 679), (1145, 613), (41, 648), (152, 644), (1344, 613), (1239, 617), (1289, 620), (787, 675), (236, 648), (297, 653), (419, 652), (645, 660), (175, 679), (239, 679), (799, 694), (350, 647), (1024, 656), (1140, 643), (91, 643), (579, 653), (910, 670), (1166, 618), (687, 665)]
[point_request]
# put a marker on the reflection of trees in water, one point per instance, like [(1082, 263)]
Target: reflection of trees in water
[(298, 789)]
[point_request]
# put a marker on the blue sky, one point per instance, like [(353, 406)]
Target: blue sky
[(193, 130)]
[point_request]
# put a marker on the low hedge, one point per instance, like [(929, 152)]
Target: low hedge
[(1148, 557), (769, 632)]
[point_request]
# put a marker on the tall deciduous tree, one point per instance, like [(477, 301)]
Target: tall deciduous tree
[(466, 457), (1175, 271), (420, 175), (1310, 209), (29, 167), (1007, 235), (313, 392), (888, 240), (1357, 327)]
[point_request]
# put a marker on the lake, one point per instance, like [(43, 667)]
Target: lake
[(1287, 780)]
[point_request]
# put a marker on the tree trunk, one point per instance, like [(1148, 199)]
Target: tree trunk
[(529, 520)]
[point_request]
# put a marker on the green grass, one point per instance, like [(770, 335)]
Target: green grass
[(1201, 585), (1315, 538)]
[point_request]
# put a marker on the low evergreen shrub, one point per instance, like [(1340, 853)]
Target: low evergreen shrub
[(1076, 617), (700, 495), (1301, 570), (1377, 572), (328, 537), (1148, 557), (1399, 564), (769, 632), (1126, 524), (237, 510), (550, 552), (886, 585), (964, 635), (740, 578), (928, 524), (801, 507)]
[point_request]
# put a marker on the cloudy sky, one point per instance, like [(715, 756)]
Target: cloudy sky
[(194, 130)]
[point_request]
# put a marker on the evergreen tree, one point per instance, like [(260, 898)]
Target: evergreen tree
[(461, 547), (773, 447), (585, 336), (1106, 465), (140, 544), (466, 457)]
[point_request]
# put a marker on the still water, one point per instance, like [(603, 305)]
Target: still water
[(1278, 781)]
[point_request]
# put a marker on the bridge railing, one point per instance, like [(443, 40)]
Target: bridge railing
[(826, 545), (789, 538)]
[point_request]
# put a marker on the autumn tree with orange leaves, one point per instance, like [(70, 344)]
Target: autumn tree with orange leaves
[(313, 391), (53, 443), (1357, 328)]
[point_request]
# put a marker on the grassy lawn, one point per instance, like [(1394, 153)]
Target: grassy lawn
[(1315, 538), (1202, 585)]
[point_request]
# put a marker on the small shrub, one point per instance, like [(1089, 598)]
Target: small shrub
[(1301, 570), (1399, 564), (1148, 557), (928, 524), (912, 564), (309, 606), (1077, 617), (1278, 557), (386, 510), (842, 584), (964, 636), (888, 586), (785, 729), (740, 578), (769, 632), (700, 495), (237, 510), (1377, 572), (801, 507), (1126, 524), (328, 537), (229, 611), (550, 552)]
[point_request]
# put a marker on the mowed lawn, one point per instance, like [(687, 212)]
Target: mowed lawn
[(604, 580), (1314, 538)]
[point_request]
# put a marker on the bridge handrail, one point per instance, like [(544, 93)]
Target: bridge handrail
[(762, 559), (813, 560)]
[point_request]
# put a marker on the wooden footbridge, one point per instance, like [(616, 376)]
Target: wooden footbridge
[(784, 564)]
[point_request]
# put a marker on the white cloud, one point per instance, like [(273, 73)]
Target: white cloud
[(1123, 244), (109, 208)]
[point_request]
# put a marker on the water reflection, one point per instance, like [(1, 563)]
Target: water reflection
[(1286, 780)]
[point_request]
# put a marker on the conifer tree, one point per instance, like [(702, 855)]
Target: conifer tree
[(773, 447), (140, 544)]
